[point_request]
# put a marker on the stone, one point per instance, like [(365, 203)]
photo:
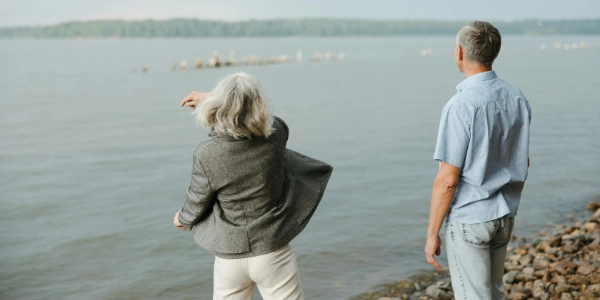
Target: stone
[(565, 264), (566, 296), (389, 298), (593, 206), (520, 277), (558, 279), (558, 231), (509, 277), (514, 257), (526, 259), (585, 269), (522, 251), (593, 288), (438, 292), (596, 215), (578, 280), (540, 263), (517, 296), (521, 290), (538, 289), (590, 226), (562, 288), (555, 241), (528, 271), (594, 278)]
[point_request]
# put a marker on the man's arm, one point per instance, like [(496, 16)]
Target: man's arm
[(442, 194)]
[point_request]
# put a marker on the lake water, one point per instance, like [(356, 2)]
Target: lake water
[(96, 155)]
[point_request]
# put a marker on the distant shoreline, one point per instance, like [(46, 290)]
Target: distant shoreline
[(192, 28)]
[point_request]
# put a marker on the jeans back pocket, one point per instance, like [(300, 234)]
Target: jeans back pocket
[(480, 234)]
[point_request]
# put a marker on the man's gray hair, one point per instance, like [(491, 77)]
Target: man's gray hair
[(480, 41), (237, 107)]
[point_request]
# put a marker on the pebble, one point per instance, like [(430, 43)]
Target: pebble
[(563, 264)]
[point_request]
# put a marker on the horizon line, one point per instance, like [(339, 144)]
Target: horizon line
[(506, 20)]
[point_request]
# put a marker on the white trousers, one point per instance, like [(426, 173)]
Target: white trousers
[(275, 274)]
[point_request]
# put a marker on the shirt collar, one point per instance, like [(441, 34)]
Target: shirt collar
[(475, 78)]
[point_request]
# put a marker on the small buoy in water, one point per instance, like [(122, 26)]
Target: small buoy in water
[(574, 46), (566, 47), (183, 64), (299, 55), (327, 55), (582, 44), (557, 45), (317, 56), (543, 46), (145, 67), (199, 63), (341, 56)]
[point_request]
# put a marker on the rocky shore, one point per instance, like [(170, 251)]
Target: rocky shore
[(562, 263)]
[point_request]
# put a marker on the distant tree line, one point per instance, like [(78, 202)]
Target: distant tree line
[(302, 27)]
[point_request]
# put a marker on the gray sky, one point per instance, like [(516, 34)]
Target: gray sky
[(43, 12)]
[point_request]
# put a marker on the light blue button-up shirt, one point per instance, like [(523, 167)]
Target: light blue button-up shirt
[(484, 130)]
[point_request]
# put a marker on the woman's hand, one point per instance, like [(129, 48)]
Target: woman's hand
[(193, 98), (176, 221)]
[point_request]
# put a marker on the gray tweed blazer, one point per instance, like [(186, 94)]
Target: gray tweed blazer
[(251, 197)]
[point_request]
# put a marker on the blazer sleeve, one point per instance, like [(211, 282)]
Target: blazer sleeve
[(199, 196)]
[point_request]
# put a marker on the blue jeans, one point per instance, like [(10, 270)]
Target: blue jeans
[(476, 254)]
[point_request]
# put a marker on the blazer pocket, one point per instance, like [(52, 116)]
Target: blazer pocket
[(216, 234), (479, 234)]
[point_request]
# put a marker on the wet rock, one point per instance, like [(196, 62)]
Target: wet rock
[(555, 241), (593, 206), (438, 292)]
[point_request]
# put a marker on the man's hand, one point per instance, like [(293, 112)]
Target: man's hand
[(432, 249), (176, 221), (193, 98)]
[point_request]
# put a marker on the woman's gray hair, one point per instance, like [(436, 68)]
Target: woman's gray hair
[(236, 107), (480, 41)]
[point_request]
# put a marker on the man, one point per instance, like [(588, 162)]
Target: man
[(483, 150)]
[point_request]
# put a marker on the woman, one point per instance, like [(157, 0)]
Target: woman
[(249, 195)]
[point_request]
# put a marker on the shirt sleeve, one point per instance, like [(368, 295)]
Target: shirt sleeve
[(453, 136), (199, 196)]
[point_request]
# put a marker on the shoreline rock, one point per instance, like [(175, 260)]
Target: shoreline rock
[(563, 264)]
